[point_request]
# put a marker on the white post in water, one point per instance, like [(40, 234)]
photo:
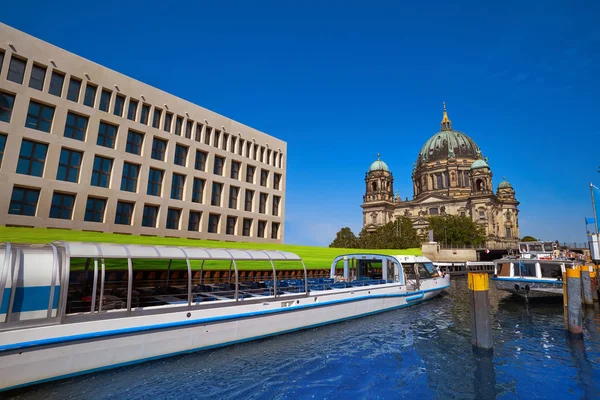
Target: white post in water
[(573, 289)]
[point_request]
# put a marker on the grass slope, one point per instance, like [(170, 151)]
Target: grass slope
[(314, 257)]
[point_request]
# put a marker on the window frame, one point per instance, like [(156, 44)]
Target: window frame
[(99, 174), (40, 82)]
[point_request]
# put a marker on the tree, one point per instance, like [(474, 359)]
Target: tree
[(345, 238), (398, 234), (457, 231), (528, 239)]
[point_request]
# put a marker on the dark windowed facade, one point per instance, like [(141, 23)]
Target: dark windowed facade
[(224, 142), (16, 70), (89, 99), (134, 142), (250, 173), (235, 169), (215, 199), (150, 216), (62, 205), (156, 118), (262, 205), (167, 124), (198, 135), (129, 179), (155, 178), (124, 214), (180, 155), (213, 223), (159, 148), (276, 181), (132, 110), (36, 79), (275, 230), (233, 196), (32, 158), (177, 186), (107, 135), (248, 200), (119, 105), (69, 165), (241, 147), (261, 229), (216, 138), (246, 227), (39, 116), (194, 221), (57, 80), (145, 114), (197, 190), (74, 89), (105, 100), (23, 201), (207, 134), (218, 167), (94, 209), (173, 216), (188, 129), (2, 146), (7, 102), (178, 125), (76, 126), (200, 163), (230, 228), (276, 201), (264, 177), (101, 171)]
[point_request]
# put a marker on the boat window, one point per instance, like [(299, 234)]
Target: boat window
[(523, 248), (409, 270), (535, 247), (551, 270), (433, 272), (548, 247), (158, 282), (503, 269), (423, 271), (524, 269)]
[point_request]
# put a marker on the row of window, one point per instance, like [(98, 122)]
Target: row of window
[(24, 202), (40, 117), (167, 121)]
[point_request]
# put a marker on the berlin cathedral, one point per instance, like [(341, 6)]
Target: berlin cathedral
[(450, 176)]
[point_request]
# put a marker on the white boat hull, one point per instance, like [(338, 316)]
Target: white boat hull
[(530, 288)]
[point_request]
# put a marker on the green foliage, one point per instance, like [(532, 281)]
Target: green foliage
[(458, 231), (528, 239), (345, 238), (398, 234)]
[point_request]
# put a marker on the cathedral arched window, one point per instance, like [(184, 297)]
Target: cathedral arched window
[(374, 186), (467, 182), (480, 185)]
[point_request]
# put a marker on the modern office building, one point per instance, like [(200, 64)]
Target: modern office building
[(84, 147)]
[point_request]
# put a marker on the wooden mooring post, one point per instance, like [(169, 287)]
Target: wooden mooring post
[(481, 326), (594, 281), (572, 300), (586, 285)]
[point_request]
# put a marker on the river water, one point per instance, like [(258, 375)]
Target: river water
[(417, 352)]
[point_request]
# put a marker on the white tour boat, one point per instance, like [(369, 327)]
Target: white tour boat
[(74, 308)]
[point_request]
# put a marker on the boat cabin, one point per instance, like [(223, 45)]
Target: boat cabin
[(531, 268)]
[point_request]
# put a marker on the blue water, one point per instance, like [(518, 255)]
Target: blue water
[(418, 352)]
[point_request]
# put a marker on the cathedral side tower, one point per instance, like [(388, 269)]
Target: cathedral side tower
[(378, 201)]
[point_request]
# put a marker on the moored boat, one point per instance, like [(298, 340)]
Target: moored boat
[(52, 326)]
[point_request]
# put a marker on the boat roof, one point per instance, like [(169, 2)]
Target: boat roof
[(375, 256)]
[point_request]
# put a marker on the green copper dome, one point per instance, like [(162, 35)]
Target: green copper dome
[(479, 164), (504, 184), (378, 165)]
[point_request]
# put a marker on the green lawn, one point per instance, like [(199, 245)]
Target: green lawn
[(314, 257)]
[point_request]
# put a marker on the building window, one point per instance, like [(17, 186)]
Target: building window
[(216, 138), (150, 216), (62, 205), (194, 221), (439, 181), (74, 88), (124, 213), (76, 126), (159, 148), (200, 163), (36, 79), (188, 129), (132, 110), (508, 233), (249, 194), (433, 211), (233, 196), (69, 165), (130, 177), (155, 178), (177, 186), (23, 201), (230, 228), (7, 102), (198, 135), (215, 199), (39, 116), (32, 158), (262, 205), (181, 155), (145, 114), (224, 143), (467, 181), (268, 160), (276, 201), (235, 170), (1, 59), (156, 119), (119, 105), (232, 147), (248, 149), (173, 216), (56, 83), (275, 230), (16, 70), (90, 95), (213, 223), (178, 125), (207, 135), (218, 167), (101, 171), (255, 152), (134, 142), (2, 146), (105, 100), (241, 147), (107, 135), (482, 215), (463, 214), (276, 181), (246, 227), (197, 190), (94, 209), (167, 124), (264, 177), (250, 174), (261, 228)]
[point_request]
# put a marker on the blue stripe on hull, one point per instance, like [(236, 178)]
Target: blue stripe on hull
[(124, 364), (528, 280)]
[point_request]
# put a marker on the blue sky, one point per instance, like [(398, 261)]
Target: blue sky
[(343, 81)]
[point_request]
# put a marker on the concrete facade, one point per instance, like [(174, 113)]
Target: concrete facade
[(131, 107)]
